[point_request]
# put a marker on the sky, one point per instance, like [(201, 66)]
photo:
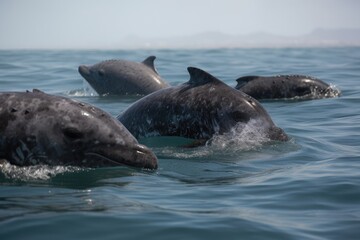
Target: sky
[(105, 23)]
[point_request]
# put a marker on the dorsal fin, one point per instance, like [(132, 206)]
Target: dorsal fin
[(149, 62), (200, 77), (244, 80)]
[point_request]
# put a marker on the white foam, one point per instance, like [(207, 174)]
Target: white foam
[(81, 93), (37, 172), (335, 91), (243, 137), (315, 93), (85, 91)]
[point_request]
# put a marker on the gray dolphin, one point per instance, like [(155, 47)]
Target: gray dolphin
[(121, 77), (37, 128), (285, 86), (197, 109)]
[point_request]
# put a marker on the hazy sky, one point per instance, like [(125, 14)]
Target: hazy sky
[(96, 23)]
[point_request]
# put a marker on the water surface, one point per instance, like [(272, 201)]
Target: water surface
[(307, 188)]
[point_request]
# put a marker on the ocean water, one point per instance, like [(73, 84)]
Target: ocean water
[(307, 188)]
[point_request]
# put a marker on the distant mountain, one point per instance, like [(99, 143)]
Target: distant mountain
[(317, 38), (334, 36)]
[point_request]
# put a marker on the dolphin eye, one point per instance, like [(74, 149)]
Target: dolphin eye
[(72, 133), (101, 73)]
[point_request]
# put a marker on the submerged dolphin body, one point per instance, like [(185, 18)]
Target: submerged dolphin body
[(121, 77), (285, 87), (37, 128), (198, 109)]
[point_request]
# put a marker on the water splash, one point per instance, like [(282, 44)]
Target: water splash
[(85, 91), (242, 138), (331, 92), (37, 172), (334, 91)]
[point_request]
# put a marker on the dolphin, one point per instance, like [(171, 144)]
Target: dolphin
[(198, 109), (38, 128), (121, 77), (285, 87)]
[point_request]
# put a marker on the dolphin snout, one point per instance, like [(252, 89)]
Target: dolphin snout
[(135, 155), (277, 134), (84, 70), (144, 157)]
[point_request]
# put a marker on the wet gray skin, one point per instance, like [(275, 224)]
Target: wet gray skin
[(285, 87), (121, 77), (197, 109), (37, 128)]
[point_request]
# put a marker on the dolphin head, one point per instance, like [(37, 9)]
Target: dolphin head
[(99, 139), (110, 76), (96, 76), (53, 130), (316, 88)]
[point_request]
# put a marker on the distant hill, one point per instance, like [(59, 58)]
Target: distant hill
[(334, 36), (317, 38)]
